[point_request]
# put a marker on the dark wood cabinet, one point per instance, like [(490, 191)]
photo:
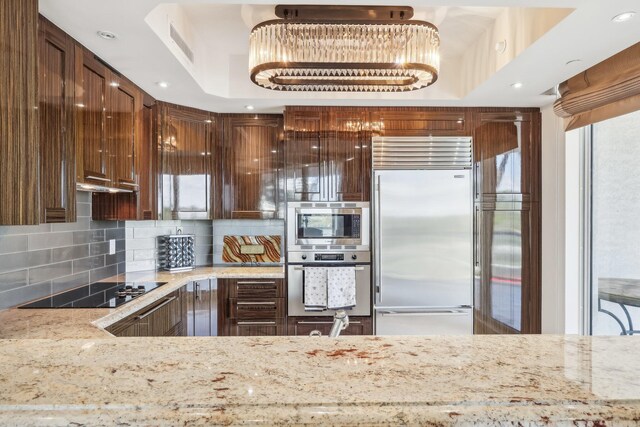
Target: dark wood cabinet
[(303, 326), (56, 80), (252, 166), (92, 100), (186, 163), (251, 307), (164, 317), (419, 121), (327, 154), (147, 157), (19, 120), (507, 248), (124, 120), (202, 316)]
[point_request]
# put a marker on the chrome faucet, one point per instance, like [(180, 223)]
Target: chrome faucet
[(340, 323)]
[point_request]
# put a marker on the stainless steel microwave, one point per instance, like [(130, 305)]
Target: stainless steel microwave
[(328, 225)]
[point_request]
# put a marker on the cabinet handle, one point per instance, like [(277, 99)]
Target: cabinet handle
[(256, 303), (304, 322), (198, 291), (256, 283), (97, 178), (272, 322), (477, 248), (355, 268), (156, 308)]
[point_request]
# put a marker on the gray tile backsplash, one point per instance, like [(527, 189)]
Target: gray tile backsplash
[(38, 260)]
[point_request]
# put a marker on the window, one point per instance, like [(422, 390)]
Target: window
[(613, 225)]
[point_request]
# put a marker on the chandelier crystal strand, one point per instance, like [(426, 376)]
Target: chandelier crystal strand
[(344, 56)]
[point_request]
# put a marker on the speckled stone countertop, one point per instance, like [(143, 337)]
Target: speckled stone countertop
[(481, 380), (90, 323)]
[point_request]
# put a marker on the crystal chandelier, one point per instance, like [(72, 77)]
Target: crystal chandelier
[(344, 48)]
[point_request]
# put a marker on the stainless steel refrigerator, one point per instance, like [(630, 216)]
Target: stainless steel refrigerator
[(423, 236)]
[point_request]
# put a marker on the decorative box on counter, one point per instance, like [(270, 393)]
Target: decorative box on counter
[(177, 252)]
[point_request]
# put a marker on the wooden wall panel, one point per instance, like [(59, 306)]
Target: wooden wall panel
[(57, 124), (18, 112)]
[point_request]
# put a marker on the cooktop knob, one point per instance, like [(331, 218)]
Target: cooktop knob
[(354, 256), (304, 256)]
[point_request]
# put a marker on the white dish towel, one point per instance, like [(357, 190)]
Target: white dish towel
[(341, 287), (315, 288)]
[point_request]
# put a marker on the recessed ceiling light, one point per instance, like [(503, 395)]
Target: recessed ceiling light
[(573, 61), (107, 35), (163, 85), (623, 17), (516, 85), (249, 107)]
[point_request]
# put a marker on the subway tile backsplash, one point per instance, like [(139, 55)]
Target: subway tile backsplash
[(38, 260)]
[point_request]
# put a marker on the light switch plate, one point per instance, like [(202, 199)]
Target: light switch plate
[(112, 246)]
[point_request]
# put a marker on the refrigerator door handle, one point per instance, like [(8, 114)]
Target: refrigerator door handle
[(477, 247), (434, 312), (377, 242)]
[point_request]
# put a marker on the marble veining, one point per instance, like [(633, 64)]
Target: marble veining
[(486, 380), (90, 323)]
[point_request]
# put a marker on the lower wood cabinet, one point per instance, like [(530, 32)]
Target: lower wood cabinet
[(164, 317), (303, 326), (251, 307), (202, 320)]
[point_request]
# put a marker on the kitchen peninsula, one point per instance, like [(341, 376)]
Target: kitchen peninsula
[(487, 380)]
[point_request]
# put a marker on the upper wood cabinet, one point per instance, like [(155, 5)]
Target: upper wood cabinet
[(124, 120), (419, 121), (18, 112), (186, 163), (147, 157), (57, 124), (507, 155), (348, 155), (327, 154), (92, 100), (253, 166)]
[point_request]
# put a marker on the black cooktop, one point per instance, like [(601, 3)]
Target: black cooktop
[(96, 295)]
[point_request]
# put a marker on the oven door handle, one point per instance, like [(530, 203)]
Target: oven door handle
[(319, 265)]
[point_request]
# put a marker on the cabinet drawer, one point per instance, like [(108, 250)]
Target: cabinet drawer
[(248, 328), (256, 288), (272, 308), (304, 326)]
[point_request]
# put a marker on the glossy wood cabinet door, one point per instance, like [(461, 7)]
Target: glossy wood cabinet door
[(507, 245), (348, 156), (147, 157), (92, 101), (252, 166), (123, 118), (251, 307), (57, 124), (202, 316), (164, 317), (327, 154), (305, 165), (507, 155), (303, 326), (418, 121), (186, 162), (18, 113)]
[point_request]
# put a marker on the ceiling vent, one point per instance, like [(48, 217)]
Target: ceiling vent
[(179, 41)]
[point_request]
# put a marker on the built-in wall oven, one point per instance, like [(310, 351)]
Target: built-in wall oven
[(298, 261), (328, 226), (328, 235)]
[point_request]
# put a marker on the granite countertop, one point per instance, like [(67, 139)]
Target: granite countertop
[(90, 323), (487, 380)]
